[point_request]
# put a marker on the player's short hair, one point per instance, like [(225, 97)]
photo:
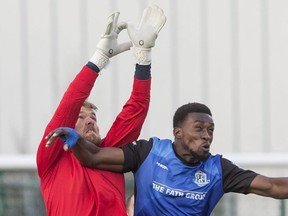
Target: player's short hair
[(89, 105), (182, 112)]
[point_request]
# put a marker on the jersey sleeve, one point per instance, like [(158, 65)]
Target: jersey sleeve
[(135, 153), (66, 115), (236, 179), (128, 124)]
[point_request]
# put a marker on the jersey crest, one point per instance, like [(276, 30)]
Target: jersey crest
[(201, 178)]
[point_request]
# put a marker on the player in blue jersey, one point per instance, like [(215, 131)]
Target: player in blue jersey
[(179, 177)]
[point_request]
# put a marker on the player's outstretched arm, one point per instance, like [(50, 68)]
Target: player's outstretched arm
[(128, 124), (270, 187), (109, 158)]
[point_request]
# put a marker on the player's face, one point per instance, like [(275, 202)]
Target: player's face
[(87, 126), (194, 137)]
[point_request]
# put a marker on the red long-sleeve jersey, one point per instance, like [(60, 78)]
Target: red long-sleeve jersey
[(71, 189)]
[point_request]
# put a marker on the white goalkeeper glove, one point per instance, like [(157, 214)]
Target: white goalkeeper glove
[(108, 45), (143, 37)]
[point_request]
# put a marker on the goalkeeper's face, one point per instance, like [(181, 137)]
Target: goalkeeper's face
[(87, 126)]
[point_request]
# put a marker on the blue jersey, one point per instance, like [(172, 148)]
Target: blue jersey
[(166, 186)]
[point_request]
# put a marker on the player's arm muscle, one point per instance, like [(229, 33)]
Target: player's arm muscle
[(92, 156)]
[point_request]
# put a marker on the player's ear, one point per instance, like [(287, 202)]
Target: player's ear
[(177, 132)]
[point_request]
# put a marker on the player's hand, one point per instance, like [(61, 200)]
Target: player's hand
[(68, 135), (144, 36), (108, 45)]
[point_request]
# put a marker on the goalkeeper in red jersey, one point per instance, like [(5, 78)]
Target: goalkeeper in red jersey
[(67, 187)]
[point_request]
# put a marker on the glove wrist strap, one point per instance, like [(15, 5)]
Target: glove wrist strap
[(142, 55), (99, 59)]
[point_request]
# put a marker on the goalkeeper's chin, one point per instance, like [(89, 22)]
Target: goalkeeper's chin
[(94, 138)]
